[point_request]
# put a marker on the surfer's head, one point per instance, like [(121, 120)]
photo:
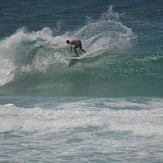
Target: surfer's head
[(68, 42)]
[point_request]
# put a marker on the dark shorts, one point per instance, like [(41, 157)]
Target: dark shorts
[(78, 44)]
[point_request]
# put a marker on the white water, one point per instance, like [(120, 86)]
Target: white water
[(81, 129), (108, 114)]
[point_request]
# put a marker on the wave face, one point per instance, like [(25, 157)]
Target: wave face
[(38, 62)]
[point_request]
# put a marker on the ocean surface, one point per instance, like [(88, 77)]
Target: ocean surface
[(106, 106)]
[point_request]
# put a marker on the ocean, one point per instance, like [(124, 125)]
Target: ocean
[(106, 106)]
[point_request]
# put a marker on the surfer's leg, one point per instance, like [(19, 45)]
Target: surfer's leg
[(83, 50), (76, 51)]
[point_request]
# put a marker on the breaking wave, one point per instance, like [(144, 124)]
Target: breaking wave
[(38, 62)]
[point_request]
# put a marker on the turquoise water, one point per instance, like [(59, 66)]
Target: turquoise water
[(106, 106)]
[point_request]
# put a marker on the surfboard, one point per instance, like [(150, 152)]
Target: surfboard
[(74, 57)]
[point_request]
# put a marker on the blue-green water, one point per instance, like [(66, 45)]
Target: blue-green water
[(106, 106)]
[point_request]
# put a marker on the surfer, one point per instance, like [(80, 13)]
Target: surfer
[(77, 44)]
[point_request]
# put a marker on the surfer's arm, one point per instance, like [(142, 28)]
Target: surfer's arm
[(71, 48)]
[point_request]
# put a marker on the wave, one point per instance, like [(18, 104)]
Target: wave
[(38, 62)]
